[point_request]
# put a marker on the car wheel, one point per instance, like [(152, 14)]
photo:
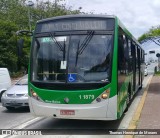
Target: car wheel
[(10, 108), (1, 95)]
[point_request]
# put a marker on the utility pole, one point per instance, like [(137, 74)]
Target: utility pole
[(29, 4)]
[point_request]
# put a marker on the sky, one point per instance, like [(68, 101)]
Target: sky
[(137, 15)]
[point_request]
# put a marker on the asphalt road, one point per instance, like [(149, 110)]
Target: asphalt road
[(10, 119), (23, 119)]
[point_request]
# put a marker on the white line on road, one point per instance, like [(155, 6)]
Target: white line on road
[(22, 126), (28, 123)]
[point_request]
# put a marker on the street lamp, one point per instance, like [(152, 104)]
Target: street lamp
[(29, 4)]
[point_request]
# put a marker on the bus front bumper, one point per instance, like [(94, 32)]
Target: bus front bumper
[(98, 111)]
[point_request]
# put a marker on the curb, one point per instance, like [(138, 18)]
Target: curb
[(134, 122)]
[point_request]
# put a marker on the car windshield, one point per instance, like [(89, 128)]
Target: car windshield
[(72, 58), (23, 81)]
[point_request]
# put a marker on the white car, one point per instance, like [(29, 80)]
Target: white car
[(5, 81), (17, 95)]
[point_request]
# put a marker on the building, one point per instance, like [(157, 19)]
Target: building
[(152, 48)]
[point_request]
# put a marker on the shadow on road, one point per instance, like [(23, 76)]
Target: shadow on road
[(17, 110), (75, 127)]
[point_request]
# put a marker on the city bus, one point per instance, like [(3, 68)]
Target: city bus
[(85, 67)]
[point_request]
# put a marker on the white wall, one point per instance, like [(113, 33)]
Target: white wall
[(151, 46)]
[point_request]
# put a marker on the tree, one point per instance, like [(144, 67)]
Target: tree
[(14, 16), (8, 43), (11, 9), (153, 32)]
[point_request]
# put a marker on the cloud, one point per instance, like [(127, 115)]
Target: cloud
[(137, 15), (156, 3)]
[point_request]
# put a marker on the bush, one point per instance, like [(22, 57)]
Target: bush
[(16, 74), (157, 73)]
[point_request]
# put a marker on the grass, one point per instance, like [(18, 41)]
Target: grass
[(157, 73)]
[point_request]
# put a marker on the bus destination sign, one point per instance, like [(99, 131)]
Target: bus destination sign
[(67, 25)]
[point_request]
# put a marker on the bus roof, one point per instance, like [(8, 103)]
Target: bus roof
[(91, 16), (77, 16)]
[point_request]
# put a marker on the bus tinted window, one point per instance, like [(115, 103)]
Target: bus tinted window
[(86, 60)]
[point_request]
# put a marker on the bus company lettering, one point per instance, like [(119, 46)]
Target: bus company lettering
[(55, 102)]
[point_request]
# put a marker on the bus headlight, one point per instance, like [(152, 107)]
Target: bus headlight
[(102, 97), (35, 96), (105, 94)]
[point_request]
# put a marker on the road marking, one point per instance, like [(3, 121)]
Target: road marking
[(133, 124), (22, 126), (1, 106), (28, 123)]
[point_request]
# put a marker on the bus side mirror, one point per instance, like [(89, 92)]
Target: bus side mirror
[(21, 41), (20, 47)]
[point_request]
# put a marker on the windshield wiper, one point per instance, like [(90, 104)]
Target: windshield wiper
[(56, 42), (84, 44), (77, 53), (62, 48)]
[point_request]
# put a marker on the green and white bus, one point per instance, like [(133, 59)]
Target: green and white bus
[(83, 67)]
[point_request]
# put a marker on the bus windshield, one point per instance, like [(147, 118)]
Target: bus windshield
[(72, 58)]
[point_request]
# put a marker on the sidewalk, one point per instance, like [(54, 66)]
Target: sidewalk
[(150, 115)]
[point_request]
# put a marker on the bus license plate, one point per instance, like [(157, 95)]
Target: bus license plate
[(67, 112)]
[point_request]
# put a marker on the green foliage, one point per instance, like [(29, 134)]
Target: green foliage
[(16, 74), (144, 36), (17, 11), (157, 73), (14, 16), (154, 31), (8, 43)]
